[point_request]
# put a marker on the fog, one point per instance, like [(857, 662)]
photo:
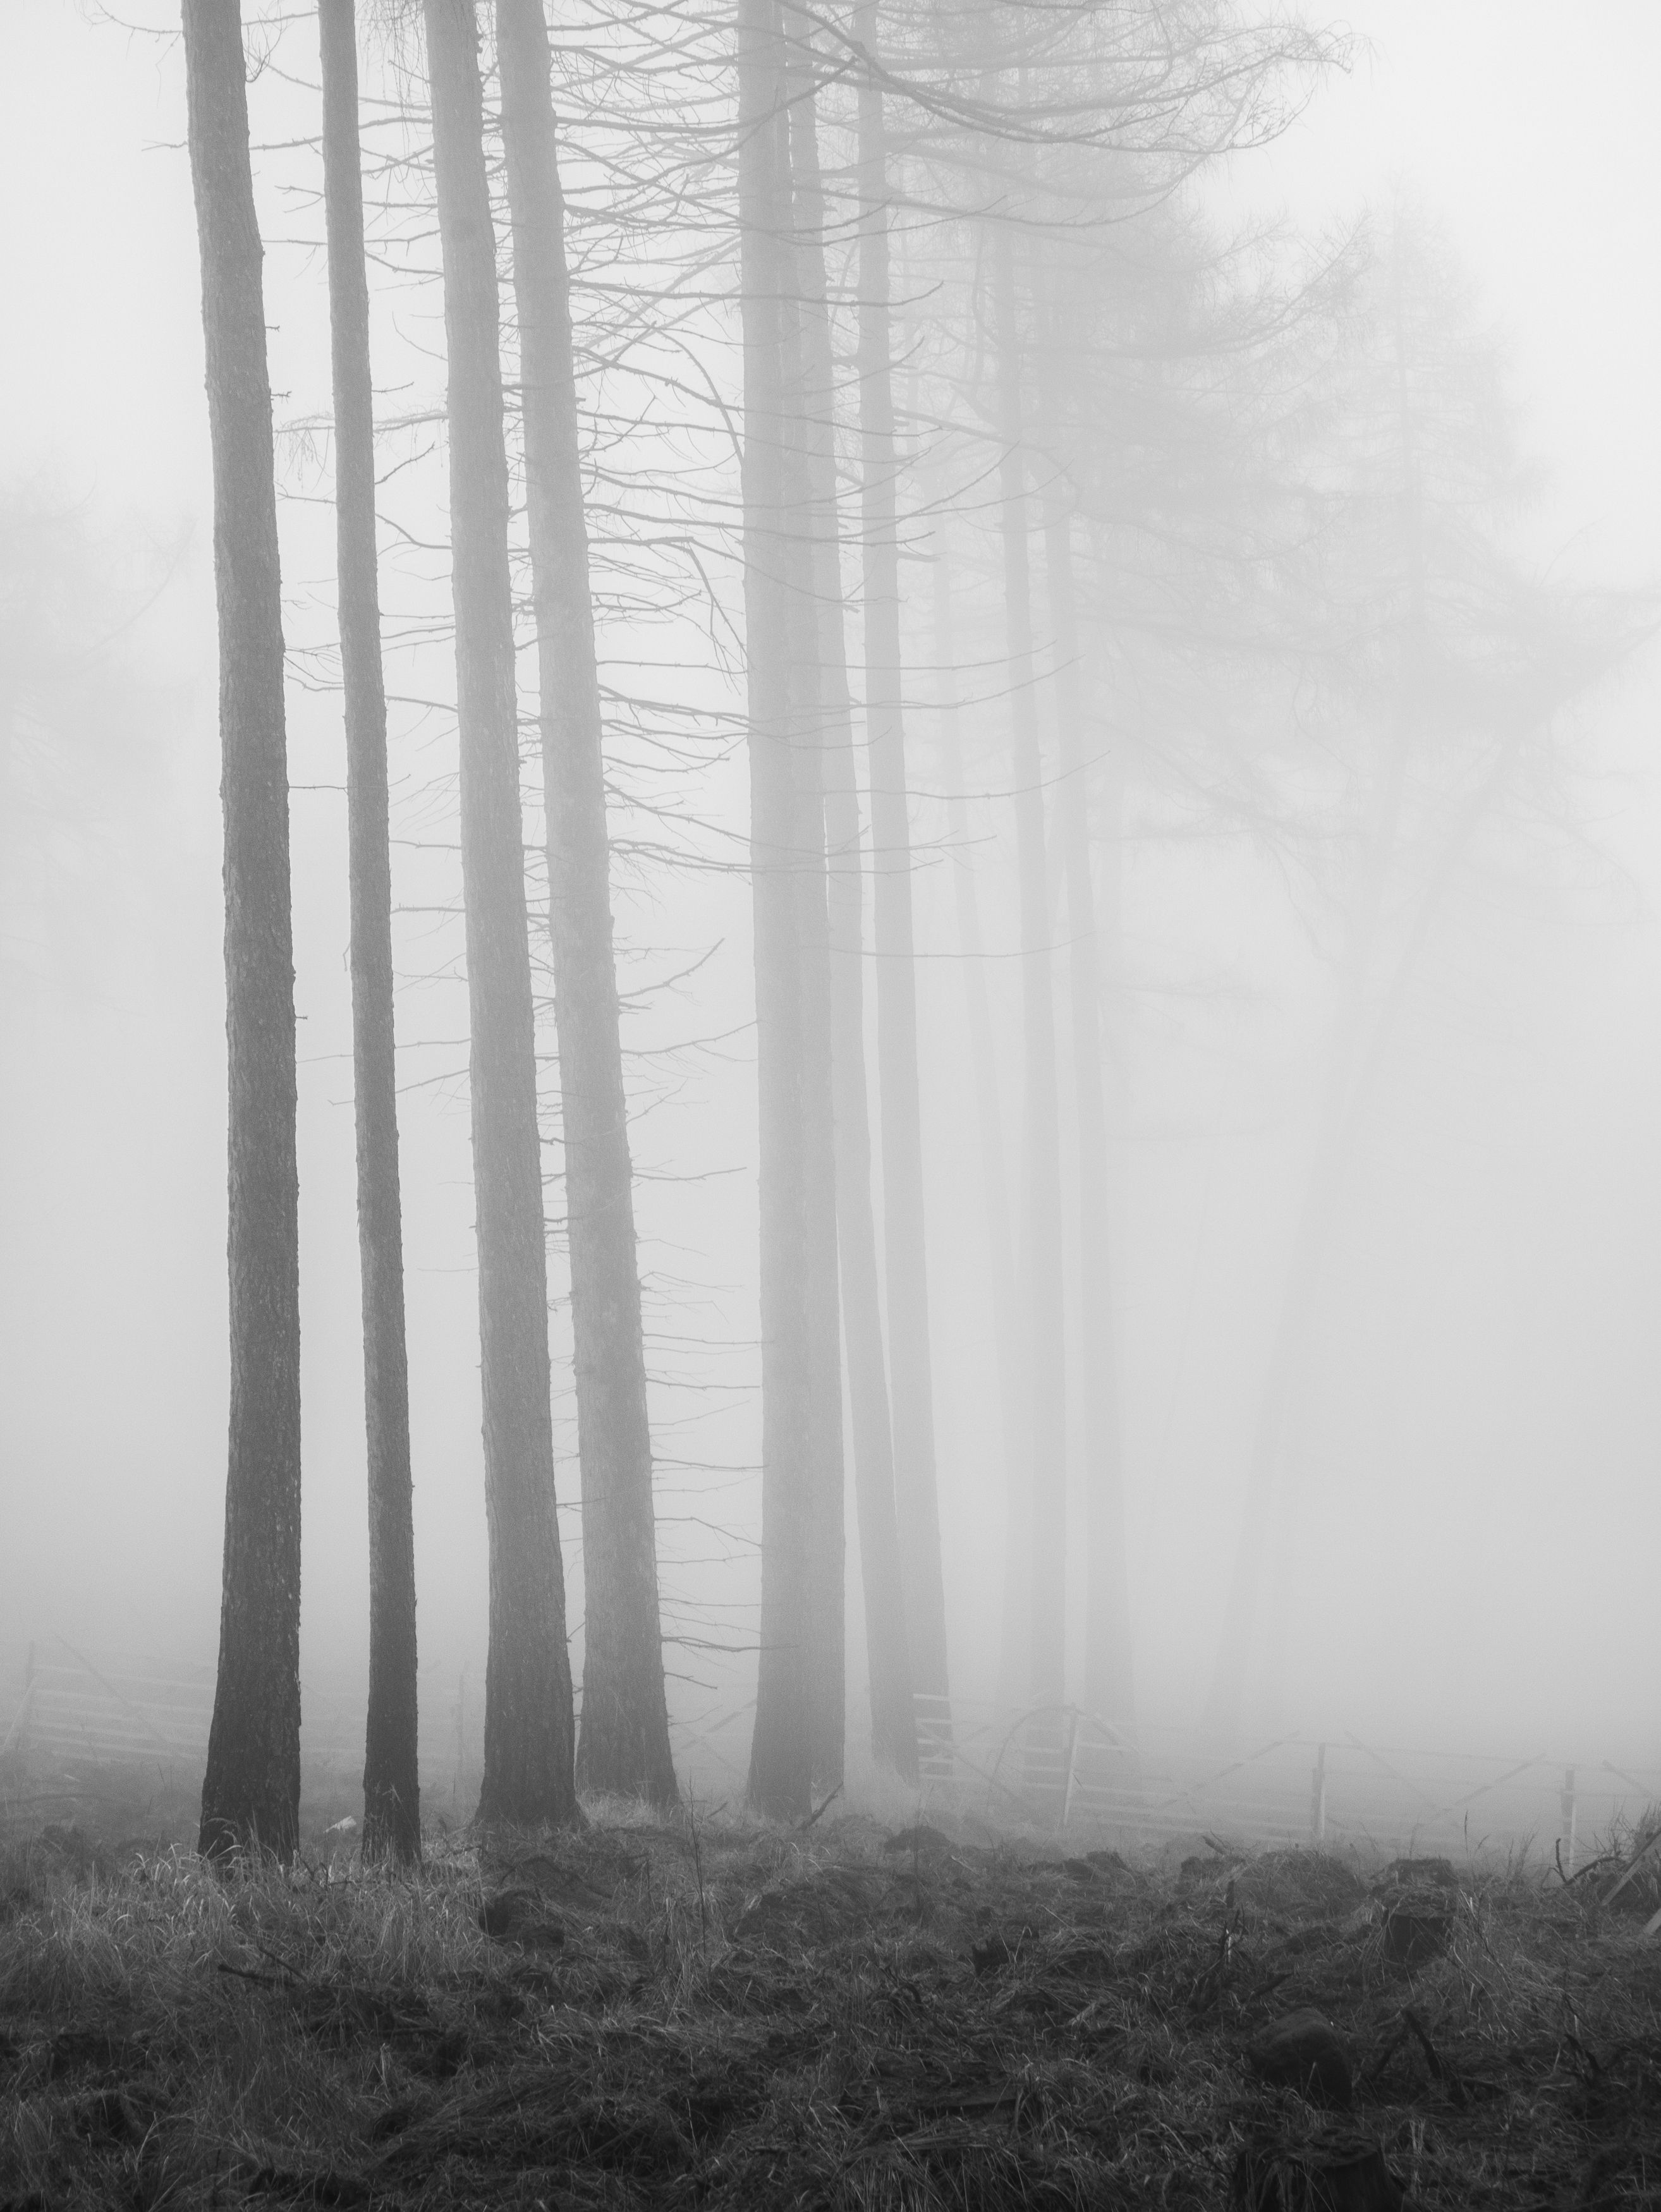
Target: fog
[(1460, 1548)]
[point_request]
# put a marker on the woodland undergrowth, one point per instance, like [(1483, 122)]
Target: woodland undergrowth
[(700, 2012)]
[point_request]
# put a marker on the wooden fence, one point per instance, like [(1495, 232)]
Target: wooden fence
[(1064, 1768), (1057, 1769)]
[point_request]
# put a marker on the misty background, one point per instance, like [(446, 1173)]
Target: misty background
[(1476, 1456)]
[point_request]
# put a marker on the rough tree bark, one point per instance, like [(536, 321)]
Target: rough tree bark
[(893, 1730), (251, 1790), (1047, 1366), (623, 1745), (782, 1748), (910, 1377), (528, 1773), (391, 1794)]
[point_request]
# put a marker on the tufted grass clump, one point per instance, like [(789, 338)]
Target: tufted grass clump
[(671, 2012)]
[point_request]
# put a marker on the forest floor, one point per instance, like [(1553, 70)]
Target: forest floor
[(699, 2011)]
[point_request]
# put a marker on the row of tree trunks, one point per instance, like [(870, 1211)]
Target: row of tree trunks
[(817, 1223), (893, 1734), (251, 1790), (624, 1742), (391, 1800), (528, 1729)]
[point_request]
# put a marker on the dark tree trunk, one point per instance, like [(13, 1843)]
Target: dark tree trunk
[(392, 1795), (909, 1365), (624, 1742), (1047, 1368), (250, 1791), (1109, 1678), (528, 1777), (781, 1749), (893, 1730)]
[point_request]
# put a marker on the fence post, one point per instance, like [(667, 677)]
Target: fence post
[(1567, 1802), (461, 1734), (1072, 1764), (1318, 1797)]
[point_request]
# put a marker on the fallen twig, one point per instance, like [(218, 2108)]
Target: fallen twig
[(1440, 2070), (1637, 1858), (811, 1817)]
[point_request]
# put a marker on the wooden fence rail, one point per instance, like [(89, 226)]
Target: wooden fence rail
[(1059, 1768)]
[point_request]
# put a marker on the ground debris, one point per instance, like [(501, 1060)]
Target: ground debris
[(1301, 2052), (813, 2018), (1338, 2173)]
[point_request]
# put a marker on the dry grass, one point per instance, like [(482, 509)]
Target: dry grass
[(722, 2014)]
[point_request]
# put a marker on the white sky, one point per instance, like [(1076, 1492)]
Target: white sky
[(1530, 125)]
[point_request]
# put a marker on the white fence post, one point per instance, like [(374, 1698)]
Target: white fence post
[(1567, 1803), (1072, 1764)]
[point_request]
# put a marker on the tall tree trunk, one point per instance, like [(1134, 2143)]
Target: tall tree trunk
[(1006, 1324), (1047, 1364), (392, 1793), (781, 1748), (826, 1617), (528, 1777), (624, 1742), (250, 1791), (1352, 1066), (1108, 1680), (1317, 1210), (909, 1363), (893, 1730), (820, 718)]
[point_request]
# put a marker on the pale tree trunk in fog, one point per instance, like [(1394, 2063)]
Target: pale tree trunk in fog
[(782, 1748), (994, 1181), (1356, 1056), (528, 1777), (1109, 1683), (827, 1605), (1349, 1068), (826, 1619), (893, 1734), (624, 1742), (250, 1791), (1224, 1711), (391, 1800), (1047, 1366), (909, 1359)]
